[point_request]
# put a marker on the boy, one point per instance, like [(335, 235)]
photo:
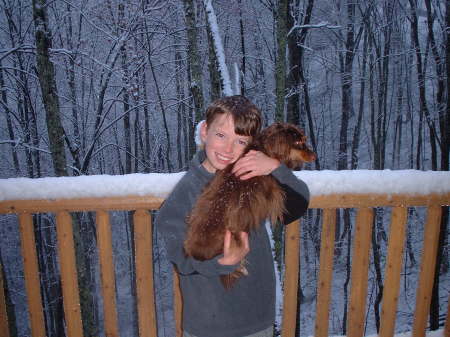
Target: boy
[(248, 308)]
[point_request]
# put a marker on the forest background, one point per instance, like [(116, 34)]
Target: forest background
[(118, 86)]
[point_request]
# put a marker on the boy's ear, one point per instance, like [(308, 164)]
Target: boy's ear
[(203, 131)]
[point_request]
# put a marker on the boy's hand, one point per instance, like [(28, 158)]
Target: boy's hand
[(235, 254), (254, 163)]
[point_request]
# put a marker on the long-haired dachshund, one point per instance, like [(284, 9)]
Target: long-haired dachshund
[(228, 202)]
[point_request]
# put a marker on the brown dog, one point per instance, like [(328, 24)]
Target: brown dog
[(241, 205)]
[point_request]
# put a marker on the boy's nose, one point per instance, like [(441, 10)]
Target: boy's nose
[(229, 146)]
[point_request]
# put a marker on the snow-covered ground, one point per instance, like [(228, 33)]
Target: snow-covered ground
[(437, 333)]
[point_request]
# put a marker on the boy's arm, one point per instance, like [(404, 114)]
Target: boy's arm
[(256, 163), (170, 224), (296, 191)]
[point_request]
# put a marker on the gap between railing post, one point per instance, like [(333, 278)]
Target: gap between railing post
[(426, 276), (292, 260)]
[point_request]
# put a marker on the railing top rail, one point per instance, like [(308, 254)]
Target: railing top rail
[(126, 203)]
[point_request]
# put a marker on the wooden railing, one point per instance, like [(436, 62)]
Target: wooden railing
[(364, 205)]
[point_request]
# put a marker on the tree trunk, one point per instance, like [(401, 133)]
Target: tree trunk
[(125, 94), (181, 110), (296, 81), (193, 59), (357, 132), (168, 151), (146, 149), (9, 125), (46, 74), (348, 267), (47, 80), (346, 87), (294, 65), (280, 63), (377, 236), (216, 41), (243, 51), (213, 67), (422, 88)]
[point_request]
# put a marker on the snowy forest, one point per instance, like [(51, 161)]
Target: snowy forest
[(118, 86)]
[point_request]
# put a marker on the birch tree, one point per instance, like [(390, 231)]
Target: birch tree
[(219, 50)]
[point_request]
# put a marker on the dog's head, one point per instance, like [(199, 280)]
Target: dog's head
[(287, 143)]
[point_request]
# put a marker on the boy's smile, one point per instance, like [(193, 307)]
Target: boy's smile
[(222, 145)]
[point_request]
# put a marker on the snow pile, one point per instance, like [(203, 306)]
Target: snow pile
[(376, 181), (436, 333), (157, 184), (160, 184)]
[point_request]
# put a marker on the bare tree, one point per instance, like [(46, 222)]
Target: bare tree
[(47, 80), (194, 65), (280, 63)]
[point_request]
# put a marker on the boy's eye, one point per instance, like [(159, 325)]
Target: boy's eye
[(242, 142)]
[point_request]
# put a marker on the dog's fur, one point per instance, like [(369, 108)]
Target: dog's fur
[(241, 205)]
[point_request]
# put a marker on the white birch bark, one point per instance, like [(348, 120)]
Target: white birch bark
[(218, 45)]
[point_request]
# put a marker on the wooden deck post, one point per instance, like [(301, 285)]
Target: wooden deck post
[(31, 271), (69, 278), (359, 274), (325, 272), (108, 278), (393, 271), (144, 273)]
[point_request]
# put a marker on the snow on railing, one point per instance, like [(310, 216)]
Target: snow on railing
[(325, 182)]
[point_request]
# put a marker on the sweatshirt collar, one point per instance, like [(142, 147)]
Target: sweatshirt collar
[(196, 164)]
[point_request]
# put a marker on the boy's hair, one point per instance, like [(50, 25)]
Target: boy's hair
[(246, 116)]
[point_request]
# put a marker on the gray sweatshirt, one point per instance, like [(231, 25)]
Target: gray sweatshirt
[(209, 310)]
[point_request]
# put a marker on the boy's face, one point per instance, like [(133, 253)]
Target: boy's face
[(222, 145)]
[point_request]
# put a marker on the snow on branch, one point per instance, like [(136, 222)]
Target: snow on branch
[(324, 182), (322, 24), (218, 46)]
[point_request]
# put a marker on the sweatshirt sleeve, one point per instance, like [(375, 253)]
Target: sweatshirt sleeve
[(170, 224), (297, 193)]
